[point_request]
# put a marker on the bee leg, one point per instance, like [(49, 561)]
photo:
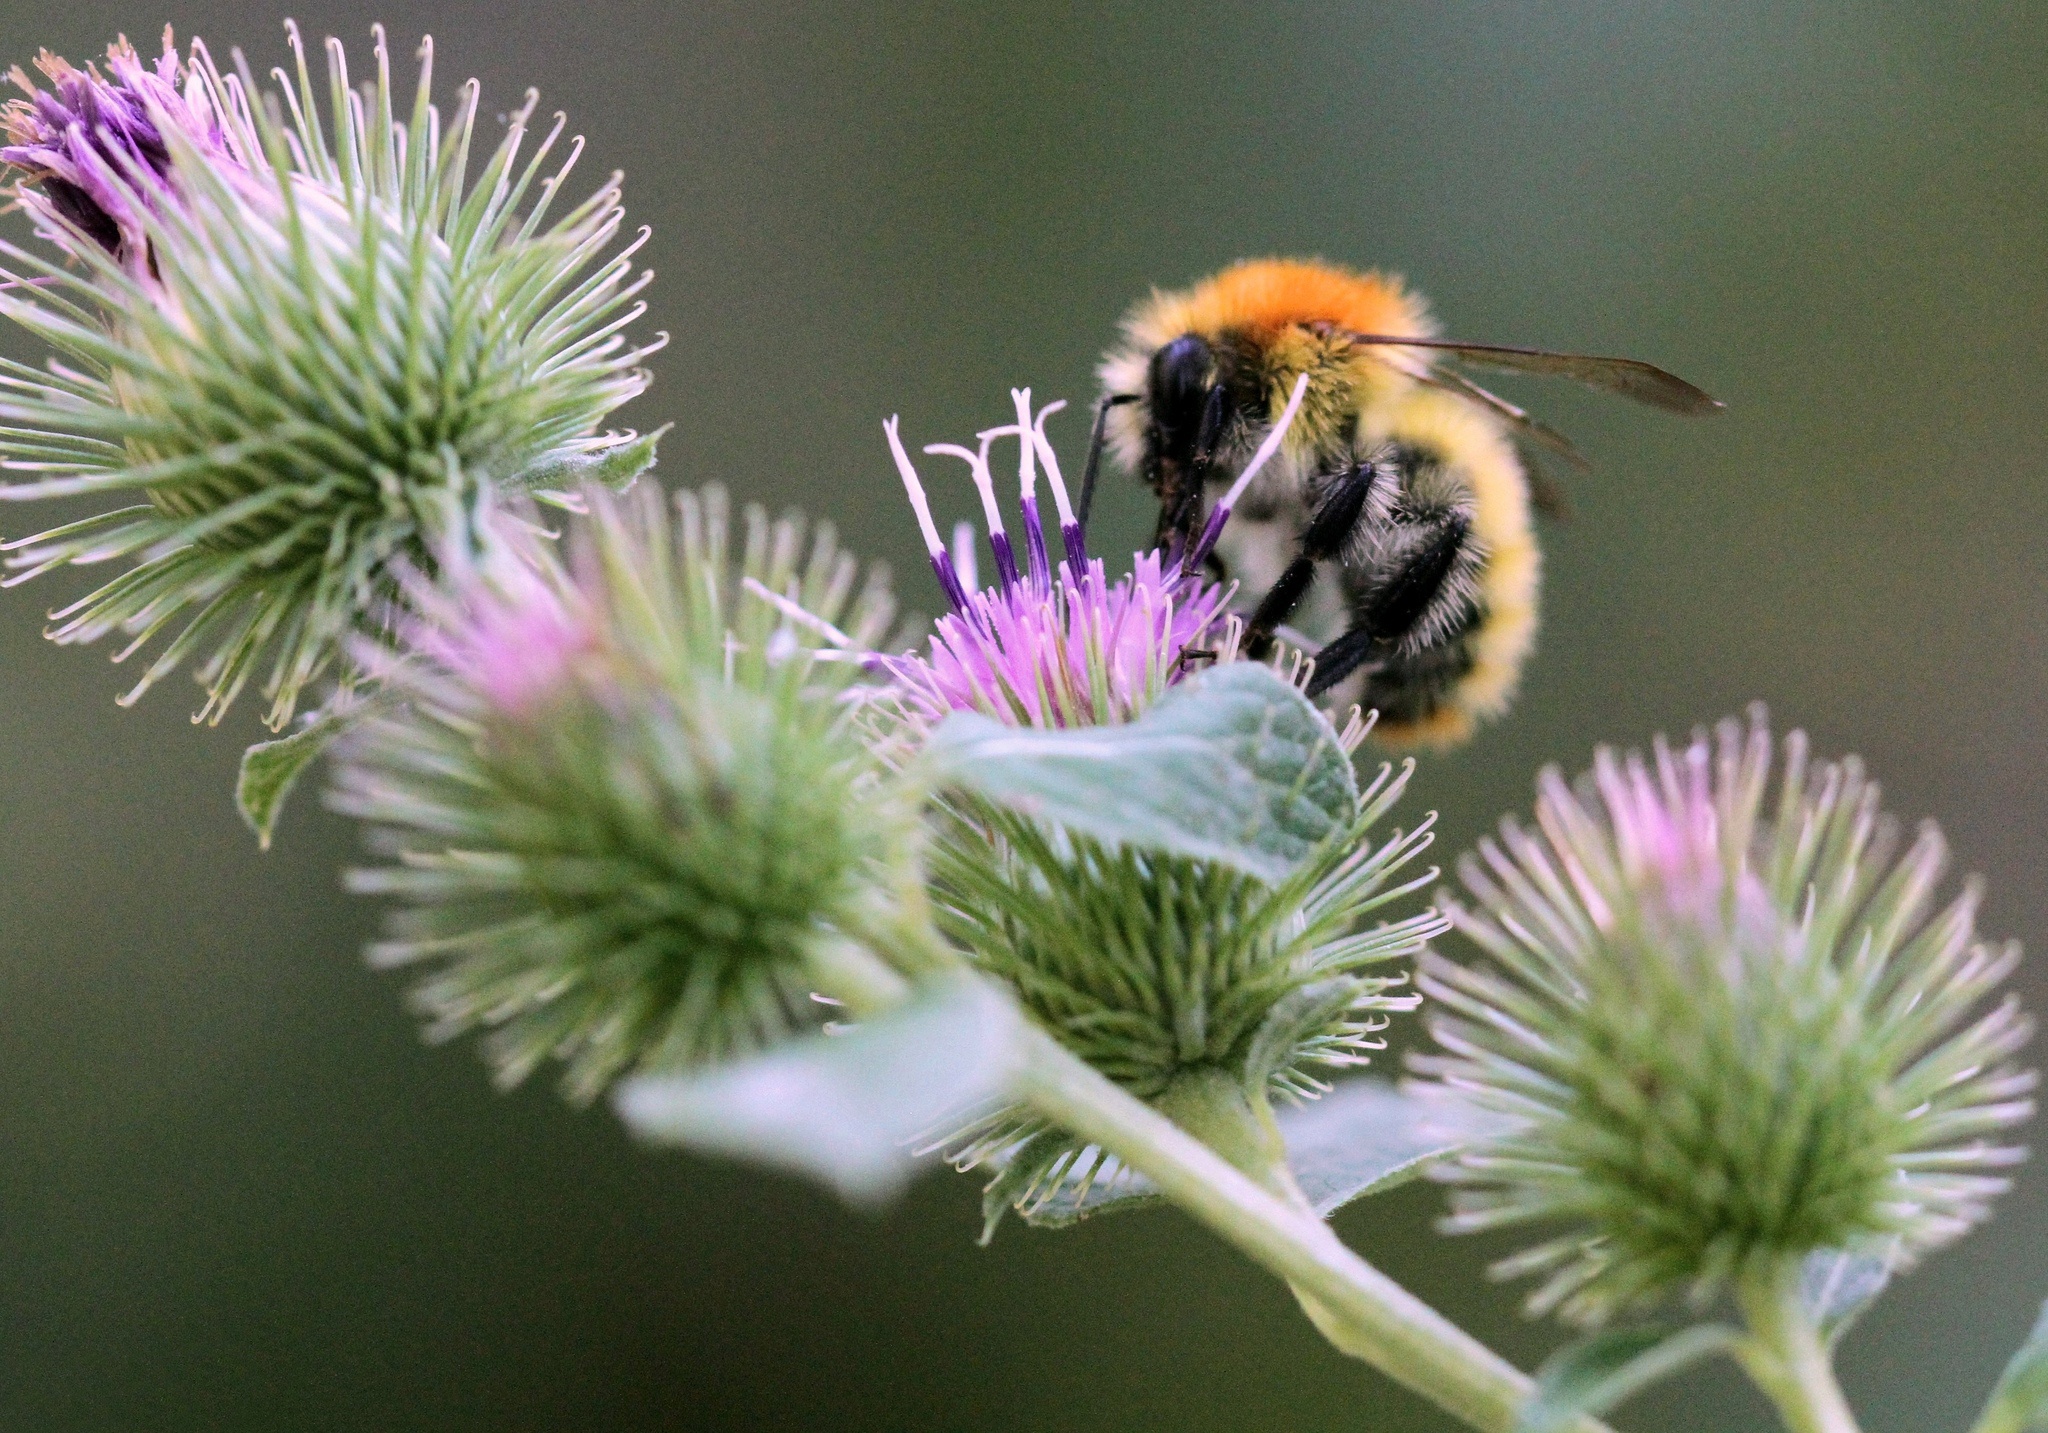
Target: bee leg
[(1396, 607), (1325, 538), (1339, 659), (1097, 441), (1180, 511)]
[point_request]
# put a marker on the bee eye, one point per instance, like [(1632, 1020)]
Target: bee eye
[(1182, 374)]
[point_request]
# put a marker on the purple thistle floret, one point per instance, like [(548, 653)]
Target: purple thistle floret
[(1667, 826), (1084, 653), (506, 622), (92, 148), (1046, 647), (1220, 514)]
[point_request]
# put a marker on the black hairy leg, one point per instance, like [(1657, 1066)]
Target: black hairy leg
[(1339, 659), (1180, 508), (1396, 606), (1327, 533)]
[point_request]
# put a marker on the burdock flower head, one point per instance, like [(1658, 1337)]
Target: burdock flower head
[(1733, 1031), (1163, 851), (285, 344), (628, 810), (1046, 647), (1205, 984)]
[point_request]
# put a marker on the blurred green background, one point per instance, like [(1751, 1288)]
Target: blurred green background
[(236, 1192)]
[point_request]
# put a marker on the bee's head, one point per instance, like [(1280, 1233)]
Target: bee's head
[(1178, 388)]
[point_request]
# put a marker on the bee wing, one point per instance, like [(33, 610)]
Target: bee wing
[(1546, 494), (1628, 377), (1526, 428)]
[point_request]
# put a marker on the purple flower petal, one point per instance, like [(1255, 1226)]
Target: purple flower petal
[(92, 148)]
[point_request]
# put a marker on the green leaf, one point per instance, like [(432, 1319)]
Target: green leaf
[(1093, 1182), (1108, 1186), (842, 1107), (615, 466), (1364, 1137), (271, 768), (1232, 766), (1367, 1136), (1594, 1374), (1837, 1285), (2019, 1404)]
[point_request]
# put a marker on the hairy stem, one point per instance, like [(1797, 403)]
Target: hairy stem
[(1785, 1357), (1358, 1308), (1258, 1207), (1214, 1108)]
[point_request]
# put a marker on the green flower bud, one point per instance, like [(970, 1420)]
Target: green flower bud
[(1150, 965), (627, 808), (282, 344), (1730, 1036), (1194, 984)]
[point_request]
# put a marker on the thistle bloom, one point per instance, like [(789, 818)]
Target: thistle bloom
[(92, 148), (288, 347), (1196, 985), (626, 803), (1054, 649), (1731, 1036)]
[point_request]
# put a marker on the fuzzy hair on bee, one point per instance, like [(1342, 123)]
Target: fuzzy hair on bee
[(1392, 531)]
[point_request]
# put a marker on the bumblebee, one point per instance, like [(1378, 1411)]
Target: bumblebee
[(1391, 533)]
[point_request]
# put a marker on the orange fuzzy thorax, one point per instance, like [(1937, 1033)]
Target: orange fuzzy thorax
[(1268, 294)]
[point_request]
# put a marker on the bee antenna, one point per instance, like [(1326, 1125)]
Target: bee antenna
[(1098, 439)]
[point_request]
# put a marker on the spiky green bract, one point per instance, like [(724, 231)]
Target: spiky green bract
[(624, 800), (1732, 1035), (325, 330), (1187, 982)]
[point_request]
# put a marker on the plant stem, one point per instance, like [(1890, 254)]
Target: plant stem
[(1785, 1357), (853, 976), (1360, 1310), (1364, 1313)]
